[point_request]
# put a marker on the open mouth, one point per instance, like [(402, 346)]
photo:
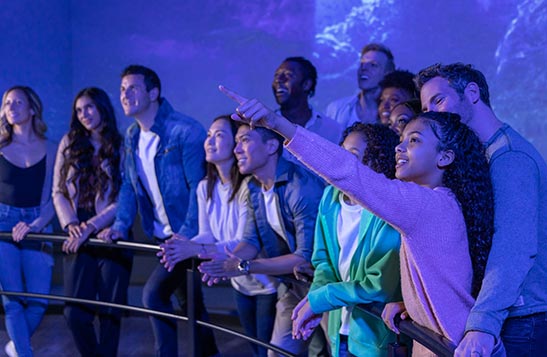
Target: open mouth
[(400, 162)]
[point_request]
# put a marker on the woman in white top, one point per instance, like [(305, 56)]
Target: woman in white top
[(222, 205)]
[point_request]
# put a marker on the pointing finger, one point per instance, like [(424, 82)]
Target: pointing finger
[(232, 95)]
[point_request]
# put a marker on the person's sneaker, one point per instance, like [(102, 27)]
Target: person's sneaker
[(10, 349)]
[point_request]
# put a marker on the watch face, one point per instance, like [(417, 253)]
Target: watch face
[(243, 266)]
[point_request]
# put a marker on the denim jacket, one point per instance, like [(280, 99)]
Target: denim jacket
[(299, 193), (179, 164)]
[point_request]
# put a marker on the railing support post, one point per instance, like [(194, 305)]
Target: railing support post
[(192, 284)]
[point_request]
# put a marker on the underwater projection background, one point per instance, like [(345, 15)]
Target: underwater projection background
[(61, 46)]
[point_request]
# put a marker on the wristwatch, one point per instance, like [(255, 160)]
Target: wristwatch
[(244, 267)]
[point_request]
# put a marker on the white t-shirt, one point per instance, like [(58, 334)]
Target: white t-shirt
[(273, 215), (347, 230), (222, 223), (146, 169)]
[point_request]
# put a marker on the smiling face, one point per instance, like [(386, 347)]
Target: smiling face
[(219, 144), (417, 156), (134, 97), (289, 85), (16, 108), (252, 153), (438, 96), (389, 98), (372, 69), (88, 114)]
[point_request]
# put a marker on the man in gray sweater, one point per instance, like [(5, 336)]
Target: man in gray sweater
[(512, 303)]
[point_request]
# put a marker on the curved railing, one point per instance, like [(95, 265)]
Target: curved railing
[(193, 281), (435, 342), (440, 345)]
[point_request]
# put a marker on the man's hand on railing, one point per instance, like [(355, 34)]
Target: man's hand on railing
[(109, 235), (304, 272), (475, 343), (391, 312), (104, 236), (304, 320)]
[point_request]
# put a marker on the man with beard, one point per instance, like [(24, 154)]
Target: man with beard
[(512, 303)]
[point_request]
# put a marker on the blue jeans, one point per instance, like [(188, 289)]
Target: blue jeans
[(257, 316), (157, 296), (525, 336), (24, 267)]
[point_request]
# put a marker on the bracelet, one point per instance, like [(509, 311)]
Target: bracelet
[(203, 249)]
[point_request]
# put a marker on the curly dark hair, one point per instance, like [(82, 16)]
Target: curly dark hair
[(235, 176), (381, 141), (79, 153), (468, 177), (458, 75), (401, 79)]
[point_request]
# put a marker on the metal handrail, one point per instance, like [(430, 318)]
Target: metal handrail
[(119, 244), (145, 311), (143, 247), (436, 343)]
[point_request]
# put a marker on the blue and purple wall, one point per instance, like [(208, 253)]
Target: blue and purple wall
[(61, 46)]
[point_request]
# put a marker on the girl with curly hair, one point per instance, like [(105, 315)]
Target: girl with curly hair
[(85, 189), (441, 203), (355, 255), (26, 170)]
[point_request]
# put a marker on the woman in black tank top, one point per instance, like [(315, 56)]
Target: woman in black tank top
[(26, 164), (86, 184)]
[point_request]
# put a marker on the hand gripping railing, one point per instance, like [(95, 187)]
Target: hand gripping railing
[(433, 341), (193, 283), (438, 344)]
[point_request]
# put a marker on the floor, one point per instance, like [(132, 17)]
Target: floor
[(53, 338)]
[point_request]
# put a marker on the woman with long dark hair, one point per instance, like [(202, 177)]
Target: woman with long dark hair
[(85, 189), (26, 171)]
